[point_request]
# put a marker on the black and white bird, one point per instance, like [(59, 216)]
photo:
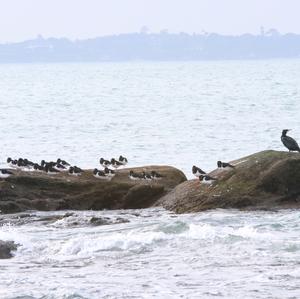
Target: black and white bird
[(21, 164), (28, 164), (49, 168), (12, 163), (155, 175), (74, 170), (206, 179), (78, 169), (224, 165), (116, 164), (43, 163), (104, 163), (50, 164), (289, 142), (135, 176), (24, 164), (38, 167), (123, 160), (197, 171), (100, 174), (146, 176), (109, 172), (5, 173), (63, 162), (60, 167)]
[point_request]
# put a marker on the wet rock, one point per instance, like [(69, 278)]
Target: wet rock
[(121, 220), (15, 219), (266, 180), (97, 221), (54, 218), (6, 248), (100, 221), (39, 191)]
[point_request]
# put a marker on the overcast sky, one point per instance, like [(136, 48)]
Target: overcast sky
[(25, 19)]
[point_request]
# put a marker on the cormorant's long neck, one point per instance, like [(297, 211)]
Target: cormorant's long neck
[(283, 134)]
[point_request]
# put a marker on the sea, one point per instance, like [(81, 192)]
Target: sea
[(154, 113)]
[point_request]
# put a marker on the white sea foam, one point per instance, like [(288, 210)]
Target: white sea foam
[(154, 246)]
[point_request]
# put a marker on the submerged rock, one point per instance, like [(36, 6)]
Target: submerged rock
[(6, 248), (265, 180), (40, 191), (97, 221)]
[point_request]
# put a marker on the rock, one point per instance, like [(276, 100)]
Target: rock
[(121, 220), (6, 248), (40, 191), (265, 180), (100, 221), (107, 221)]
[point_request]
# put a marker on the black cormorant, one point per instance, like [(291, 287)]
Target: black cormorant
[(289, 142)]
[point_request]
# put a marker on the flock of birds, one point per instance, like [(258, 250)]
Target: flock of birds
[(108, 173), (50, 167), (204, 178), (60, 165), (289, 142)]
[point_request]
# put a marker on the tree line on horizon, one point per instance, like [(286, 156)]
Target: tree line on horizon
[(154, 47)]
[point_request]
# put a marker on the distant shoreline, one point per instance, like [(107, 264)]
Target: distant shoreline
[(153, 47), (148, 61)]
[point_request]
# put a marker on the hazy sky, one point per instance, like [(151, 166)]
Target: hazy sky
[(24, 19)]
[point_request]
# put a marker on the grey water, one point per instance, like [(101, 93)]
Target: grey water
[(177, 114), (215, 254), (171, 113)]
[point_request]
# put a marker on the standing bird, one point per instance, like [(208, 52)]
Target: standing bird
[(289, 142), (104, 163), (123, 160), (12, 163), (197, 171)]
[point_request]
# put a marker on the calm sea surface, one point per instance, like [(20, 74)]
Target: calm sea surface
[(153, 113), (177, 114)]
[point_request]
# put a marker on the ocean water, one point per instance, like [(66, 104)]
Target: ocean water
[(177, 114), (216, 254)]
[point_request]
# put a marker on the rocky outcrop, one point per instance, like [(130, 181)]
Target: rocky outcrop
[(265, 180), (40, 191), (6, 248)]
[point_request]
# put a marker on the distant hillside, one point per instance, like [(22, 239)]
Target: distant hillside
[(163, 46)]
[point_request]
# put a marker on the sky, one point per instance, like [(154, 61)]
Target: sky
[(81, 19)]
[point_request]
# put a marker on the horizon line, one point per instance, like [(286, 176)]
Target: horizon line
[(272, 32)]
